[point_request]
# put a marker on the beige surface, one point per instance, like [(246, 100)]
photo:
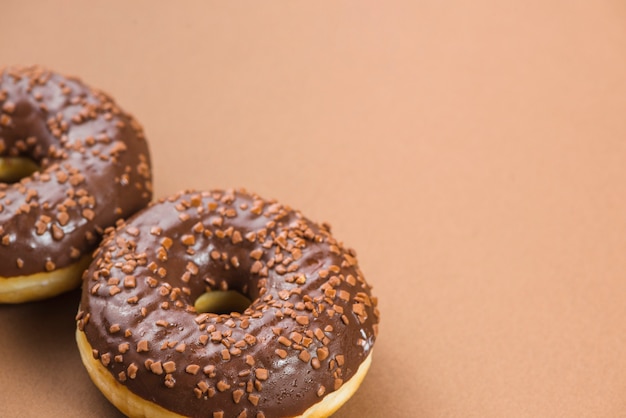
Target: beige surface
[(473, 152)]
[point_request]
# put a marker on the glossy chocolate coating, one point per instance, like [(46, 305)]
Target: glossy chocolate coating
[(94, 168), (311, 324)]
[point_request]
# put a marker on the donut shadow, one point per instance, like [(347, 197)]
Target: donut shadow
[(39, 350)]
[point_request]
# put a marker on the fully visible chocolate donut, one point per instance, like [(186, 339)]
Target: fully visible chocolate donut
[(86, 164), (300, 348)]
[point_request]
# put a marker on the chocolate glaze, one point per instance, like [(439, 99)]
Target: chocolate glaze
[(94, 168), (311, 324)]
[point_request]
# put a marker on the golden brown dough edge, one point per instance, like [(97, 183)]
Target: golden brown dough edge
[(42, 285), (136, 407)]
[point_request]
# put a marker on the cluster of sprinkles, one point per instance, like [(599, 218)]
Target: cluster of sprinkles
[(312, 321), (93, 169)]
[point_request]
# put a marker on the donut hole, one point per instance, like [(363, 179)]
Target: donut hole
[(13, 169), (222, 302)]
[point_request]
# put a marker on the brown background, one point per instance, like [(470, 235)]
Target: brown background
[(473, 152)]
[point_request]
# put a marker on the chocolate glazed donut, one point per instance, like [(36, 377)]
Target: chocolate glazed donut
[(89, 166), (307, 332)]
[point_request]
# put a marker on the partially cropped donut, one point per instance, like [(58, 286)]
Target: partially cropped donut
[(300, 346), (71, 164)]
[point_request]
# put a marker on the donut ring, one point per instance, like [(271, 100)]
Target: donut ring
[(71, 163), (300, 348)]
